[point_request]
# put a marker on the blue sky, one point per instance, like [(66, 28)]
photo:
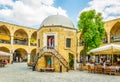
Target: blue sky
[(31, 13), (73, 7)]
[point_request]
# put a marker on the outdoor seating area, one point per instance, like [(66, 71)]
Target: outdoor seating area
[(111, 70), (108, 60), (2, 64), (4, 58)]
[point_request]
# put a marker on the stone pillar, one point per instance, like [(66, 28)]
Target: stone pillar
[(12, 49), (75, 63), (78, 54), (11, 39), (28, 41), (11, 57), (108, 37), (28, 59)]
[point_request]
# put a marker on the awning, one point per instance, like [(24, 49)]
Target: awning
[(4, 53), (107, 49), (20, 37), (33, 41), (4, 37)]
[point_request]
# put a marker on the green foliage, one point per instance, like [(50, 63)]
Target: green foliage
[(71, 60), (82, 52), (32, 59), (92, 30)]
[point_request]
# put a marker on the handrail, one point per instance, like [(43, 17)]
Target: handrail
[(61, 56), (54, 52)]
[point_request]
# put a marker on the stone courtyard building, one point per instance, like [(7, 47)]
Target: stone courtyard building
[(61, 30), (56, 44)]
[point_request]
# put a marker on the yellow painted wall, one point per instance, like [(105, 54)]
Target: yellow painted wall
[(12, 28), (62, 33)]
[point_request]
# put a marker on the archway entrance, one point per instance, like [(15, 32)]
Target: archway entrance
[(4, 49), (20, 55), (33, 39), (33, 55), (115, 33), (4, 35), (20, 37), (48, 61)]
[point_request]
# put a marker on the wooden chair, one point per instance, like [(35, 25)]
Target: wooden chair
[(107, 70), (99, 69), (95, 69), (90, 69)]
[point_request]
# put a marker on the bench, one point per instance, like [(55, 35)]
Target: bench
[(47, 69)]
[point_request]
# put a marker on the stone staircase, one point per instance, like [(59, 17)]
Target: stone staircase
[(55, 53)]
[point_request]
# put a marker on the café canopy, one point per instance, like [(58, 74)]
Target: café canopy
[(107, 49), (4, 54)]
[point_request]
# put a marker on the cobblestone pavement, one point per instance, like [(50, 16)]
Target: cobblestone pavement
[(19, 72)]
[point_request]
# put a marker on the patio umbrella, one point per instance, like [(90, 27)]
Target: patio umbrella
[(4, 54), (107, 49)]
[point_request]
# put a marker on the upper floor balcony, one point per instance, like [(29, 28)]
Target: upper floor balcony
[(5, 41), (20, 42), (33, 44), (115, 39)]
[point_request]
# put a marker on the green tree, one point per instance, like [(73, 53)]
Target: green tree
[(92, 30), (71, 61)]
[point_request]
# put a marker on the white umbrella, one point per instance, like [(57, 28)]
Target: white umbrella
[(107, 49), (4, 54)]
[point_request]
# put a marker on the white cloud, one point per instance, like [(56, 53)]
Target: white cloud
[(110, 9), (29, 12), (6, 2)]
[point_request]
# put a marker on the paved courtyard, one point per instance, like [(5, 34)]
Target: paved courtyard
[(19, 72)]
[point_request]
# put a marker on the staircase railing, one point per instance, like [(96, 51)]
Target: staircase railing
[(54, 52), (60, 57)]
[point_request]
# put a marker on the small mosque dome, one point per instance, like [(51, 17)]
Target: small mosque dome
[(55, 20)]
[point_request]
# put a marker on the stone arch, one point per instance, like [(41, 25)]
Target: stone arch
[(33, 39), (20, 37), (20, 55), (4, 34), (33, 55), (115, 32), (4, 49)]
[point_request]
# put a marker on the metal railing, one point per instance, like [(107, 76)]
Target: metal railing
[(33, 44), (115, 39), (54, 52), (5, 41), (20, 42)]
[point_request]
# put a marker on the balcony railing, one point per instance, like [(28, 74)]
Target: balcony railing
[(5, 41), (20, 42), (33, 44), (115, 39)]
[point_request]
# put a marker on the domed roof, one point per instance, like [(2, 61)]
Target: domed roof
[(57, 20)]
